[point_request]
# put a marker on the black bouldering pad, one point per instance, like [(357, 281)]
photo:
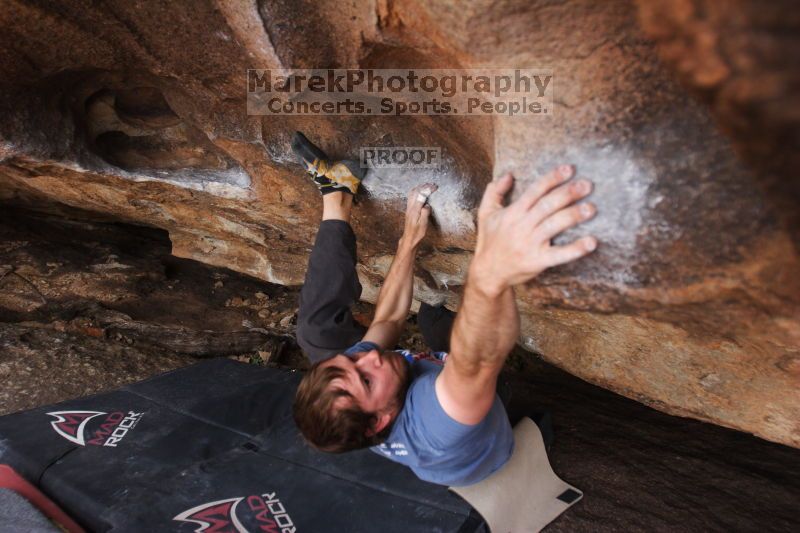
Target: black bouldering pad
[(213, 447)]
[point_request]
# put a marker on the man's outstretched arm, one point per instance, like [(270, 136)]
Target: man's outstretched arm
[(513, 247), (394, 300)]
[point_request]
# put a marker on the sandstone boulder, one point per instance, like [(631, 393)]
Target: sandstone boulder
[(692, 302)]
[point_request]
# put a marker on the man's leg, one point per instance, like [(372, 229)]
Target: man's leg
[(325, 324)]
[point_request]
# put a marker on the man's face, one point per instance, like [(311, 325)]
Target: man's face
[(372, 378)]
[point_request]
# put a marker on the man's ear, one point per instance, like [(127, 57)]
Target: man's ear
[(381, 421)]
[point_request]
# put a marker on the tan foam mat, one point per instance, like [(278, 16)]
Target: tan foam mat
[(525, 495)]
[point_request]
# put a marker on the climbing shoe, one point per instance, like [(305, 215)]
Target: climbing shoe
[(329, 176)]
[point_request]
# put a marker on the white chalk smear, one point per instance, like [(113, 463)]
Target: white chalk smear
[(624, 209), (231, 183), (449, 204)]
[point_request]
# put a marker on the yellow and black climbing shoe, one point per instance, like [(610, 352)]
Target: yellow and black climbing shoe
[(329, 176)]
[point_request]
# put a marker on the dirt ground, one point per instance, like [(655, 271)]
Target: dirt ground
[(86, 306)]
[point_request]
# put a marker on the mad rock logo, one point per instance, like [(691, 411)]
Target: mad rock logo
[(108, 431), (244, 514)]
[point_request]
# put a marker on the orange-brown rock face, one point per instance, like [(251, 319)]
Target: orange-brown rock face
[(742, 58), (692, 302)]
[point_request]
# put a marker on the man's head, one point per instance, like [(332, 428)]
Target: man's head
[(349, 402)]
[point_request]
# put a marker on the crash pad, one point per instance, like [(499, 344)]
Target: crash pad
[(214, 447)]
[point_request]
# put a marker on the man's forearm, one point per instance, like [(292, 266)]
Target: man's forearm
[(394, 300), (486, 327)]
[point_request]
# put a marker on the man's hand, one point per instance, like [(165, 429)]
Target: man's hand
[(514, 242), (417, 214)]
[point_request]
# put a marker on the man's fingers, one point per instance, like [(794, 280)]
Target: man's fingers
[(559, 255), (543, 185), (495, 193), (412, 197), (425, 214), (412, 203), (418, 211), (557, 199), (565, 219), (420, 194), (424, 192)]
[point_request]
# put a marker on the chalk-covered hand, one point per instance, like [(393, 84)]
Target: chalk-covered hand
[(514, 241), (417, 214)]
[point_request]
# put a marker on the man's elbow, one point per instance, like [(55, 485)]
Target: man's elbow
[(395, 325), (395, 322)]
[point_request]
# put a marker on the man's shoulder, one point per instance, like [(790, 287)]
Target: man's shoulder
[(420, 395), (423, 415), (439, 448)]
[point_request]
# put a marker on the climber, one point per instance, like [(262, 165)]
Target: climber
[(436, 412)]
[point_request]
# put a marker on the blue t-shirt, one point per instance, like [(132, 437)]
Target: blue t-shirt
[(436, 447)]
